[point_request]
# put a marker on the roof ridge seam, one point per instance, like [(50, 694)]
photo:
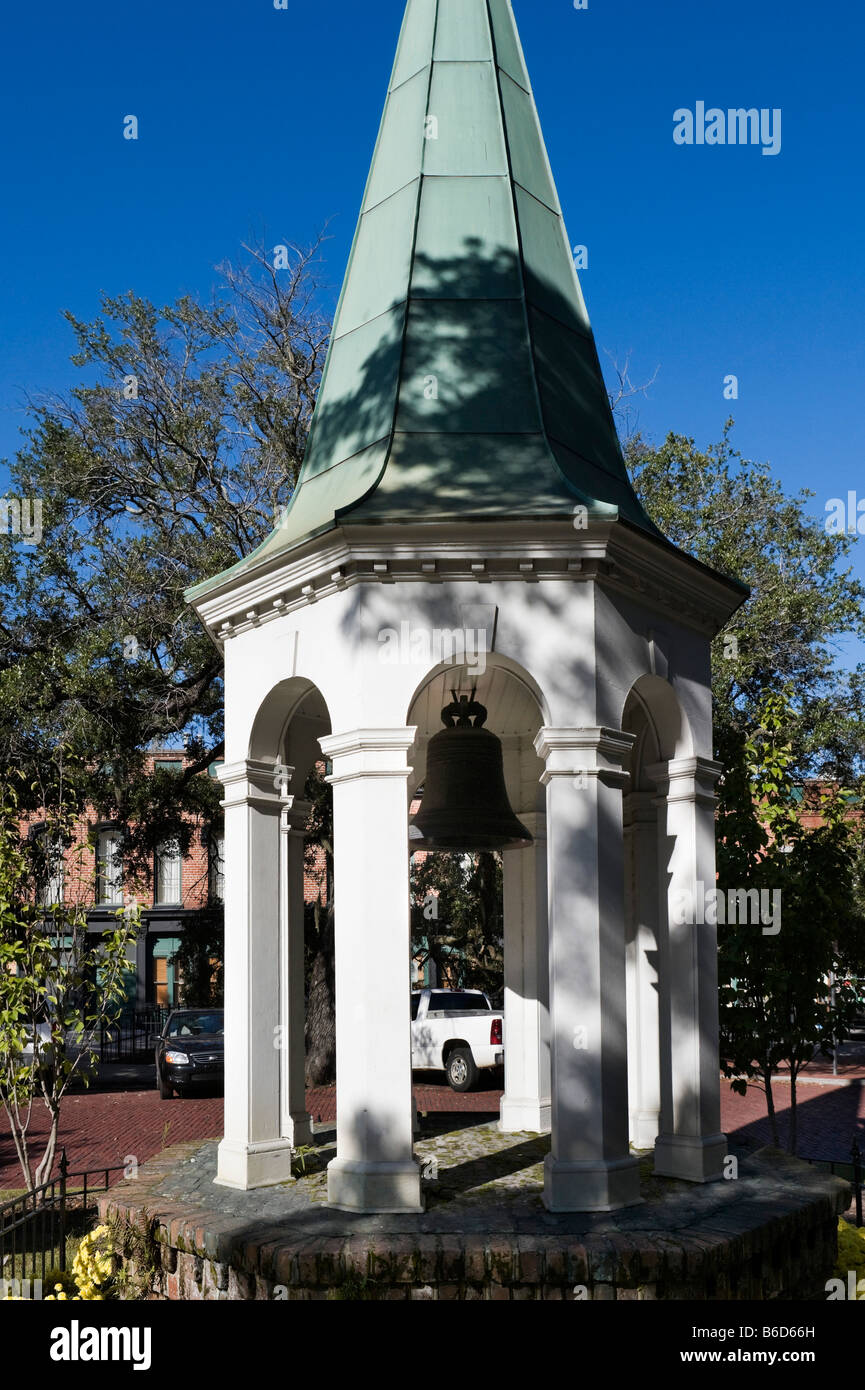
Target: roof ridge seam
[(381, 202), (519, 231), (554, 318)]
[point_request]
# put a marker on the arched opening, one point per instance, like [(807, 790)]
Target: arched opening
[(654, 717), (671, 965), (266, 818), (499, 942)]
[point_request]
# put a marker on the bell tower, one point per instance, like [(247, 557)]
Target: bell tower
[(464, 477)]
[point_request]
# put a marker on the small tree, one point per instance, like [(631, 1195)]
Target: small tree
[(777, 1006), (200, 961), (457, 918), (59, 984)]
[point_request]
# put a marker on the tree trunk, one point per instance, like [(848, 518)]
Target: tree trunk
[(46, 1163), (793, 1136), (320, 1006), (770, 1107), (19, 1138)]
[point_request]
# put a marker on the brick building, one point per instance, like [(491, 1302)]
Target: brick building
[(176, 891)]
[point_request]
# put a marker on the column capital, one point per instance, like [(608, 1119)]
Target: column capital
[(687, 779), (254, 783), (368, 753), (599, 753)]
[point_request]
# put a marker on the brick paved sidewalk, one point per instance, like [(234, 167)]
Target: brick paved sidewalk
[(108, 1127)]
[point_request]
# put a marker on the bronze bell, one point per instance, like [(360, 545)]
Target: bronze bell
[(465, 802)]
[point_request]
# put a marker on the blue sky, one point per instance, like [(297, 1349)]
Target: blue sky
[(703, 261)]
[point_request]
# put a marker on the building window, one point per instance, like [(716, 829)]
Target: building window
[(169, 874), (216, 849), (49, 863), (173, 765), (52, 894), (109, 870)]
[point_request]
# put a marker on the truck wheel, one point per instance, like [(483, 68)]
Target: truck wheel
[(462, 1074)]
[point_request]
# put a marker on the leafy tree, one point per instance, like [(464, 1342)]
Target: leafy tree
[(54, 975), (166, 464), (200, 961), (457, 919), (776, 1004), (734, 515)]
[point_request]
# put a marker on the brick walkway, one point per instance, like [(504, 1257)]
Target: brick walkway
[(107, 1127)]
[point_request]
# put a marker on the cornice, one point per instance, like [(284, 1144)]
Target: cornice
[(617, 557)]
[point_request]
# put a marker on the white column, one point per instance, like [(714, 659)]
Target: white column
[(641, 913), (296, 1123), (590, 1167), (526, 1102), (690, 1143), (254, 1151), (374, 1169)]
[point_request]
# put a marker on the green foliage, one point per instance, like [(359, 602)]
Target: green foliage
[(200, 961), (851, 1253), (168, 462), (54, 973), (777, 1007), (457, 919), (138, 1255), (733, 514)]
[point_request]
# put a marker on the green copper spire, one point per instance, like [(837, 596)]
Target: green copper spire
[(462, 380)]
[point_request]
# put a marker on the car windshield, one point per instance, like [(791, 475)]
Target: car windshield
[(192, 1024)]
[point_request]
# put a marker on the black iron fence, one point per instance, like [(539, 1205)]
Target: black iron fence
[(131, 1038), (851, 1172), (35, 1227)]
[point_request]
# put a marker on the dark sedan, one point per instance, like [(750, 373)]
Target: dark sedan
[(191, 1052)]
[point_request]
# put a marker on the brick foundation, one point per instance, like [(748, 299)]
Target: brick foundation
[(783, 1248)]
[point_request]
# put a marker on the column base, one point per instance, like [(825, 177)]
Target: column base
[(591, 1185), (244, 1166), (354, 1185), (692, 1158), (644, 1128), (299, 1127), (529, 1114)]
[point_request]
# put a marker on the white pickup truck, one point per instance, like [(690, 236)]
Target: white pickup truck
[(455, 1031)]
